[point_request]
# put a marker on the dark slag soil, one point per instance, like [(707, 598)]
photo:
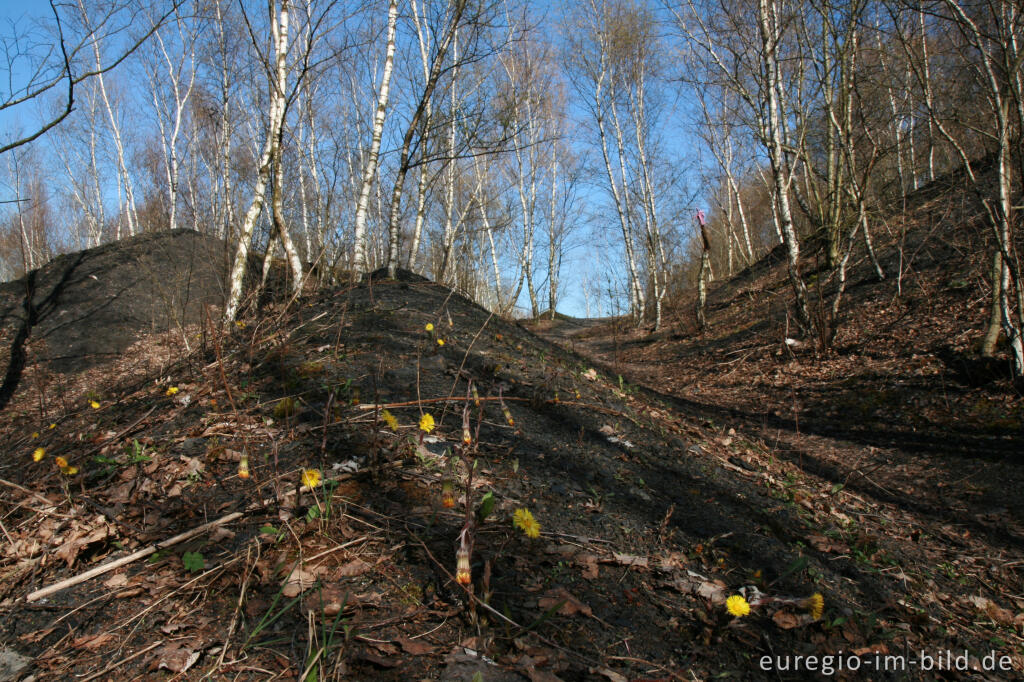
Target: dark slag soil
[(655, 504)]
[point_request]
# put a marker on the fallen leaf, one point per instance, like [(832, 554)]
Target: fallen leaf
[(177, 659), (414, 646), (353, 568), (117, 580), (589, 564), (92, 642), (786, 619), (298, 582), (571, 606), (871, 649)]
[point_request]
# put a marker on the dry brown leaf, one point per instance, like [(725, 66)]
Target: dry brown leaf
[(870, 649), (116, 580), (177, 659), (353, 568), (589, 564), (786, 619), (92, 642), (571, 606), (628, 560), (415, 647), (298, 582)]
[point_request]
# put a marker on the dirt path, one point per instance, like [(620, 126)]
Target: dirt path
[(933, 506)]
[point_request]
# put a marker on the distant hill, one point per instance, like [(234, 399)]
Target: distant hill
[(87, 307)]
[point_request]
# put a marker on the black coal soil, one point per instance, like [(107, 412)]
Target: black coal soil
[(87, 307), (648, 519)]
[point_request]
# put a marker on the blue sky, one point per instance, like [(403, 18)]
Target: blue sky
[(594, 249)]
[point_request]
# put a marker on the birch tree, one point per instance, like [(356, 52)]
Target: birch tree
[(450, 23), (278, 87), (370, 170), (993, 32), (726, 42)]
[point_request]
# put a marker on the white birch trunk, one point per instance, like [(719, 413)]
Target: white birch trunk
[(370, 171), (781, 179), (280, 34)]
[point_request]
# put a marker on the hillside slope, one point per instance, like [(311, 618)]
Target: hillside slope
[(652, 511), (900, 446), (86, 308)]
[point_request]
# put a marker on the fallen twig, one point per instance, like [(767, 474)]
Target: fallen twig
[(113, 666), (123, 561)]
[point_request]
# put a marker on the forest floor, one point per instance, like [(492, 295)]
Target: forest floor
[(667, 472)]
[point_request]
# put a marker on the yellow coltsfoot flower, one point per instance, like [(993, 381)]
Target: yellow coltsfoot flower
[(311, 478), (815, 604), (390, 420), (171, 390), (38, 454), (94, 404), (427, 423), (737, 606), (523, 519), (430, 327), (64, 467)]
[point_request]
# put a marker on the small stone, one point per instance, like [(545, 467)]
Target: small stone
[(12, 664)]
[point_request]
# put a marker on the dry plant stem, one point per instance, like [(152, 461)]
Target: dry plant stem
[(117, 665), (573, 403), (135, 556), (498, 614), (465, 355), (249, 567), (161, 600), (8, 535), (654, 665), (30, 492), (117, 436)]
